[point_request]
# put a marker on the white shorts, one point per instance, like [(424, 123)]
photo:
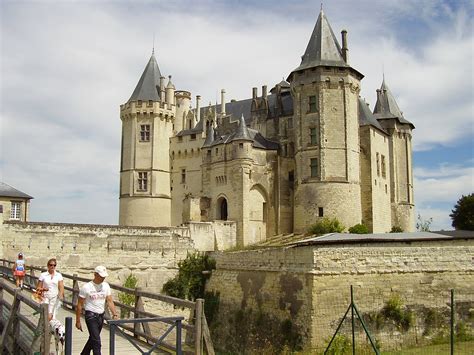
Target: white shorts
[(52, 305)]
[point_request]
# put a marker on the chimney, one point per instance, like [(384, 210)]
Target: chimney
[(223, 101), (198, 108), (344, 46), (254, 93), (264, 91), (162, 88)]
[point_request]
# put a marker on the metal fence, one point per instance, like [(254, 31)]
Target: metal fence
[(396, 324)]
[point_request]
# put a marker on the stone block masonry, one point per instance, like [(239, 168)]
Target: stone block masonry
[(151, 254), (309, 286)]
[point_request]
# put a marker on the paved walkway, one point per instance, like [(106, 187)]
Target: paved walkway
[(122, 345)]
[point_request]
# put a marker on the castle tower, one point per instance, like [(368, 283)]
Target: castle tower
[(391, 119), (325, 91), (147, 124)]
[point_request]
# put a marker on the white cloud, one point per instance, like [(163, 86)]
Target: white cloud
[(67, 66)]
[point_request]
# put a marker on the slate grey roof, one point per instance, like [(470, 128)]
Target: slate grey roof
[(323, 47), (242, 132), (209, 136), (8, 191), (258, 141), (366, 117), (347, 238), (148, 87), (285, 86), (387, 107)]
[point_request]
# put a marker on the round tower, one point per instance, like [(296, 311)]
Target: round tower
[(183, 102), (325, 93), (147, 124)]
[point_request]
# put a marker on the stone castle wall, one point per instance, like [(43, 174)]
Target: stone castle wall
[(310, 286), (151, 254)]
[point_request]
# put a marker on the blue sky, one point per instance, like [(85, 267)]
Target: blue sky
[(66, 67)]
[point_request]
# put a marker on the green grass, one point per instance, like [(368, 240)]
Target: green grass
[(461, 348)]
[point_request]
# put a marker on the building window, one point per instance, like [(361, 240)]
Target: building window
[(241, 145), (180, 138), (320, 212), (144, 133), (183, 176), (314, 167), (291, 176), (378, 164), (313, 136), (313, 106), (15, 211), (209, 153), (384, 174), (291, 149), (290, 122), (142, 181), (193, 136)]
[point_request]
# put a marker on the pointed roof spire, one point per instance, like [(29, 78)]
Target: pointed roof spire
[(209, 136), (323, 47), (148, 87), (386, 106), (242, 132)]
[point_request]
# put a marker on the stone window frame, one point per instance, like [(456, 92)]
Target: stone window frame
[(145, 132), (377, 159), (183, 175), (313, 136), (312, 104), (15, 210), (314, 168), (383, 166), (142, 181)]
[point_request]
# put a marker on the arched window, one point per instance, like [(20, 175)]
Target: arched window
[(222, 209)]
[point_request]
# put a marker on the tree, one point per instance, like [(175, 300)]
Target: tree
[(463, 213), (423, 225)]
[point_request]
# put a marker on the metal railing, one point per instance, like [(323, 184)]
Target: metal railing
[(196, 324)]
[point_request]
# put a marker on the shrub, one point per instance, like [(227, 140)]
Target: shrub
[(190, 281), (126, 298), (396, 229), (395, 311), (359, 229), (325, 226)]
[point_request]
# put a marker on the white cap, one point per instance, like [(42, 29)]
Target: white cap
[(101, 270)]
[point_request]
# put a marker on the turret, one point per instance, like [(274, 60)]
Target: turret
[(183, 102), (144, 170), (392, 120), (170, 93), (326, 123)]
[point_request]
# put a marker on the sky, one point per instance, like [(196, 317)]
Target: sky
[(66, 66)]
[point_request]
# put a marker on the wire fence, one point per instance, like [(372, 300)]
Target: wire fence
[(396, 324)]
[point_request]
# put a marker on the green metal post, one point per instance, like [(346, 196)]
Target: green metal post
[(452, 321), (353, 324)]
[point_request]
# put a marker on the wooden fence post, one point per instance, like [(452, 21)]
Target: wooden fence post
[(1, 299), (139, 307), (198, 326), (46, 339), (75, 292), (13, 313)]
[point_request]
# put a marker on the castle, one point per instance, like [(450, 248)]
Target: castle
[(274, 163)]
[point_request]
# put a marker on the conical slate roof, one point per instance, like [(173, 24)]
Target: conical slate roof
[(366, 117), (242, 132), (387, 107), (148, 87), (323, 48)]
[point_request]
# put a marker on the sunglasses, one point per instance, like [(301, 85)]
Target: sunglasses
[(52, 265)]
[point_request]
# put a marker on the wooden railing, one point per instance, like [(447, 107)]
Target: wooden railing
[(13, 339), (196, 323)]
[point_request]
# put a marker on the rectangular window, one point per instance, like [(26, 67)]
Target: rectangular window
[(193, 136), (320, 212), (183, 176), (290, 122), (180, 138), (15, 212), (378, 164), (313, 136), (144, 133), (142, 181), (384, 174), (241, 145), (314, 167), (291, 176), (313, 105)]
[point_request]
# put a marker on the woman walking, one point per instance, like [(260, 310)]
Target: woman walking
[(19, 270), (51, 284)]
